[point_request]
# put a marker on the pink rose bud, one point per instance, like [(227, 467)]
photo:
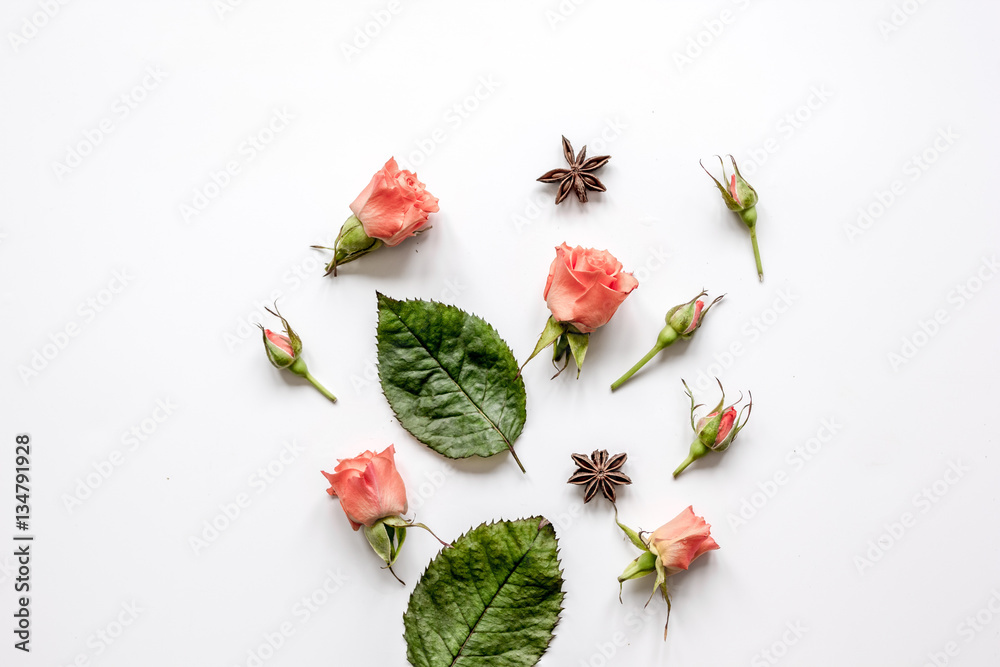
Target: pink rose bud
[(670, 549), (741, 198), (393, 207), (373, 496), (682, 322), (283, 351), (583, 291), (715, 431)]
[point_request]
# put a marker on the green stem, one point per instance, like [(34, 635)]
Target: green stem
[(642, 362), (323, 390), (688, 461), (756, 252)]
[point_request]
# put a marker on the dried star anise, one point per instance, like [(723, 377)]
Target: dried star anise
[(578, 177), (599, 473)]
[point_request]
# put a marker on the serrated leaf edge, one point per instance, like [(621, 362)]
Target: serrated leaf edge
[(562, 581), (510, 443)]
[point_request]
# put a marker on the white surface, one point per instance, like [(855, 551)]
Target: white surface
[(182, 329)]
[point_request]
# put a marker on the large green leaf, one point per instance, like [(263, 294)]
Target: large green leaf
[(491, 600), (449, 377)]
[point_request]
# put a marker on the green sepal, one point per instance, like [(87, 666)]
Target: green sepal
[(578, 346), (552, 331), (352, 242), (378, 536), (640, 567), (632, 535)]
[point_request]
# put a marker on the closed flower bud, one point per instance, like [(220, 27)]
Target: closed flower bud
[(741, 198), (682, 322), (284, 352), (715, 431)]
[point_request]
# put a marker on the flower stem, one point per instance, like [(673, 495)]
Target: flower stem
[(323, 390), (688, 461), (756, 252), (642, 362)]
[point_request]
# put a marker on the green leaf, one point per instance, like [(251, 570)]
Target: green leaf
[(449, 377), (492, 600)]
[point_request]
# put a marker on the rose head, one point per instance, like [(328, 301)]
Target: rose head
[(585, 286), (394, 205), (670, 549), (282, 350), (369, 487), (681, 540)]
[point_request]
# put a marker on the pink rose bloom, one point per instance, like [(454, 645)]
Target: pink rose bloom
[(369, 487), (394, 205), (681, 540), (585, 287)]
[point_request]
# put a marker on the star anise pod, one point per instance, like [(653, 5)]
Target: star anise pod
[(578, 177), (599, 473)]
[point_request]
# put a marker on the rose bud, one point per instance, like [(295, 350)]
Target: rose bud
[(584, 288), (373, 496), (682, 322), (393, 207), (741, 198), (284, 352), (670, 549), (717, 430)]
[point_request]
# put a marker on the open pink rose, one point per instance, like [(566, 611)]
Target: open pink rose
[(394, 205), (681, 540), (585, 287), (369, 487)]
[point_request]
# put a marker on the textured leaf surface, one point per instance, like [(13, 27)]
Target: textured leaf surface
[(449, 377), (492, 600)]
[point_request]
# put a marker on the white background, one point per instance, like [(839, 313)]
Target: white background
[(816, 552)]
